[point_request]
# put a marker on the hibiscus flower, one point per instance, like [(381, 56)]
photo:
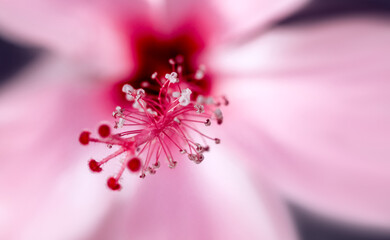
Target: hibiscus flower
[(92, 49)]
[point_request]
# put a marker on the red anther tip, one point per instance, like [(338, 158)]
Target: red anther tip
[(84, 137), (219, 121), (113, 184), (104, 130), (134, 164), (94, 166)]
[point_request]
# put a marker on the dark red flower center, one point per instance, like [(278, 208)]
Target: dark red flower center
[(151, 52)]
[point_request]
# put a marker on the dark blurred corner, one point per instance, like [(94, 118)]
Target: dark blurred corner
[(314, 227), (13, 58), (317, 10)]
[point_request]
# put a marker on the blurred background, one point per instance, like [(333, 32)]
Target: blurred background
[(305, 151)]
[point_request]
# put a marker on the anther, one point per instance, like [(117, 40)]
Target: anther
[(217, 140), (179, 59), (145, 84), (208, 122), (156, 164), (199, 148), (199, 108), (176, 94), (140, 93), (199, 158), (200, 72), (218, 115), (172, 77), (138, 106), (200, 99), (127, 88), (199, 75), (121, 121), (118, 112), (185, 97), (154, 75), (172, 164), (192, 157), (151, 170), (225, 101)]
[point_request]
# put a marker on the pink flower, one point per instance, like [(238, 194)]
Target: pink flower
[(308, 122)]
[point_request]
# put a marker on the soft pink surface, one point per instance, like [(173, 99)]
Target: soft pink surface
[(319, 128)]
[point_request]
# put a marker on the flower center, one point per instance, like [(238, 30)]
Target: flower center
[(150, 51), (158, 125)]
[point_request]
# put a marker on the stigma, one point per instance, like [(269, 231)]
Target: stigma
[(151, 128)]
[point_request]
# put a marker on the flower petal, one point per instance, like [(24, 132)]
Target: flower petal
[(79, 31), (252, 16), (214, 200), (317, 123), (40, 123)]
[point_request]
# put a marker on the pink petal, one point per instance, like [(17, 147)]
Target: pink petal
[(40, 124), (212, 201), (249, 17), (79, 31), (315, 121)]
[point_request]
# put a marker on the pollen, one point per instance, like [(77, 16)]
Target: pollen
[(155, 128)]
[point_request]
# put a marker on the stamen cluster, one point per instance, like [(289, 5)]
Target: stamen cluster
[(155, 127)]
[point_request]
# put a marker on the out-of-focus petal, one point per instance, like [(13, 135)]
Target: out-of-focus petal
[(315, 120), (251, 16), (40, 124), (219, 22), (80, 31), (214, 200)]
